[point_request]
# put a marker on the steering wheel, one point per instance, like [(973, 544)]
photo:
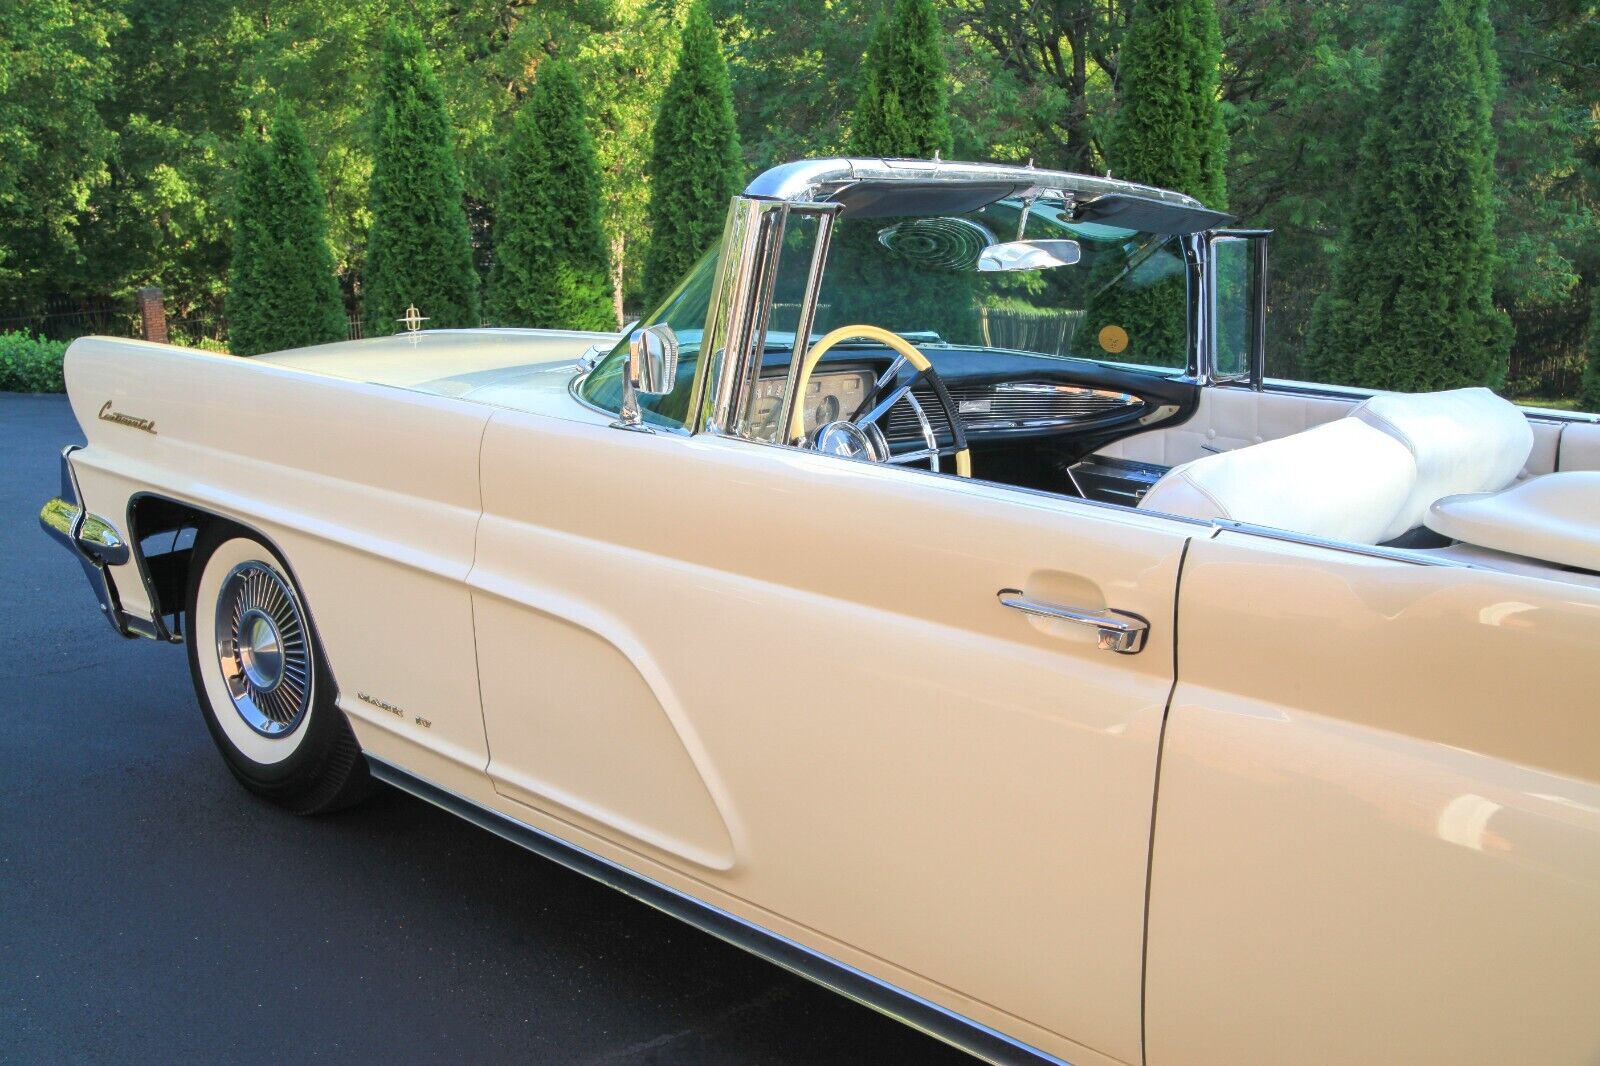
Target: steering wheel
[(860, 435)]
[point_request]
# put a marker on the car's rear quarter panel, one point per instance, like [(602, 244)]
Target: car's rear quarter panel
[(1378, 830), (370, 493)]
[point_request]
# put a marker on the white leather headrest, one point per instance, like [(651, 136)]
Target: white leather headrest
[(1467, 440), (1341, 481)]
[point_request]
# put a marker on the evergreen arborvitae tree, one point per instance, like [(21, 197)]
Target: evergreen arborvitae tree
[(419, 250), (904, 106), (282, 290), (551, 269), (1590, 397), (903, 111), (1167, 132), (1168, 129), (1411, 307), (694, 161)]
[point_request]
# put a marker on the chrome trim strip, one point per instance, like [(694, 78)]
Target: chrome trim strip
[(1375, 551), (906, 1007), (815, 179)]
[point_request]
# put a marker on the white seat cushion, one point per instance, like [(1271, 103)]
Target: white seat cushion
[(1554, 518), (1466, 440), (1340, 481)]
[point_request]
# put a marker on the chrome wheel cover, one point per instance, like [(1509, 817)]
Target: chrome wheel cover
[(262, 649)]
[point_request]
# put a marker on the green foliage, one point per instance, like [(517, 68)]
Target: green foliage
[(550, 267), (30, 364), (1589, 399), (1411, 306), (694, 163), (419, 250), (55, 68), (904, 106), (283, 292), (1168, 130)]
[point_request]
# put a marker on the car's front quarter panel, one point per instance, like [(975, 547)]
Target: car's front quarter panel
[(1378, 832)]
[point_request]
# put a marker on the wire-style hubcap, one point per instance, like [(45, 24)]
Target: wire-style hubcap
[(261, 647)]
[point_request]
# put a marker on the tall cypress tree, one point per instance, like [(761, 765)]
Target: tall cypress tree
[(1411, 307), (1167, 132), (1168, 128), (282, 292), (551, 268), (419, 250), (694, 162), (903, 111), (904, 106)]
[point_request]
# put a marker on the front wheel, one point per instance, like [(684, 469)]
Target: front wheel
[(259, 674)]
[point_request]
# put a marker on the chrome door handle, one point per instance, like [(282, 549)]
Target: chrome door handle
[(1118, 631)]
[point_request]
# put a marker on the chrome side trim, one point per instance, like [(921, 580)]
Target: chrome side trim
[(1374, 551), (921, 1014)]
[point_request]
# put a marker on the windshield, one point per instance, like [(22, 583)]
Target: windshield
[(685, 311), (1125, 299)]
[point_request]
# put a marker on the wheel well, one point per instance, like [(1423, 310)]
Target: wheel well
[(163, 532)]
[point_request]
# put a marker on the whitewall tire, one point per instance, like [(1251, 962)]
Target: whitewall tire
[(260, 677)]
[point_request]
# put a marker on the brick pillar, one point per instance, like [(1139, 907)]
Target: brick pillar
[(154, 313)]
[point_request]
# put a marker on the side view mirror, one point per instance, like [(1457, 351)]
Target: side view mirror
[(1029, 255), (651, 370)]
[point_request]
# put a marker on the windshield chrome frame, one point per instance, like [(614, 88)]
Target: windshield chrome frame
[(741, 300)]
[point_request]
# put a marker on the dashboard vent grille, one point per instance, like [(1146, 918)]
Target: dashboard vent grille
[(1010, 405)]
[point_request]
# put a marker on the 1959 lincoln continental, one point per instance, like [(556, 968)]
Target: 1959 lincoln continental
[(932, 596)]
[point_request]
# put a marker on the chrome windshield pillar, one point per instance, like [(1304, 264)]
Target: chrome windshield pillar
[(741, 304)]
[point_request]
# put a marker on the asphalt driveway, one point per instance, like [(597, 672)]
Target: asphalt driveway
[(151, 910)]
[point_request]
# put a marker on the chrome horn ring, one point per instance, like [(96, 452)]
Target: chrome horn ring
[(262, 649)]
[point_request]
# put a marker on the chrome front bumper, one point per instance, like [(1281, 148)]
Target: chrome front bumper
[(95, 543)]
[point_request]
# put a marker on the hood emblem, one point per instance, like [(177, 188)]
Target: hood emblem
[(109, 415)]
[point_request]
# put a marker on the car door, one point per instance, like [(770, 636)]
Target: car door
[(786, 683)]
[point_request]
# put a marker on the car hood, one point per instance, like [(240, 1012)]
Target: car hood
[(463, 363)]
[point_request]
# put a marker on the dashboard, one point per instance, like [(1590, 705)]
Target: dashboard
[(1005, 400)]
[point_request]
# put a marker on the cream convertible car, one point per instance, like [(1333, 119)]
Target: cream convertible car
[(1005, 654)]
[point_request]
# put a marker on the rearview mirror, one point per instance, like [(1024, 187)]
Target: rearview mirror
[(1029, 255)]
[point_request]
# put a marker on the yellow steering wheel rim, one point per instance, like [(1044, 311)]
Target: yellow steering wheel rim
[(808, 363)]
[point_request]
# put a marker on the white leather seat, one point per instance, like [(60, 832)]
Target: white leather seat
[(1341, 481), (1466, 440)]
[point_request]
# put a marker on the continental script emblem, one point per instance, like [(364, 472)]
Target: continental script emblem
[(108, 415)]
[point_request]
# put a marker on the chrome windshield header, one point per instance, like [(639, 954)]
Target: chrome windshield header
[(824, 179)]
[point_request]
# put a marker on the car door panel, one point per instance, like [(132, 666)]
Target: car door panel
[(901, 763), (1378, 814)]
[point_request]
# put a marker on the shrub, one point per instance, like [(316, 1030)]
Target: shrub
[(30, 364), (1589, 398)]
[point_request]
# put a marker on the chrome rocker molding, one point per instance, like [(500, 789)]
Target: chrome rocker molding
[(97, 545), (970, 1036)]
